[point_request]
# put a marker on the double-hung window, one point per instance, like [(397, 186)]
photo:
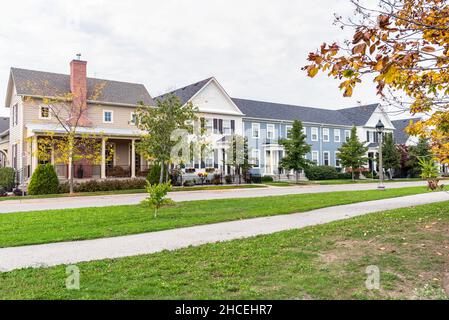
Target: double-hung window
[(337, 137), (133, 119), (209, 124), (347, 135), (288, 130), (315, 157), (337, 160), (15, 114), (44, 112), (108, 116), (227, 127), (326, 158), (255, 155), (325, 134), (256, 130), (270, 131), (314, 134)]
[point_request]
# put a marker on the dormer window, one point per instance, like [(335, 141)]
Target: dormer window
[(108, 116), (44, 112)]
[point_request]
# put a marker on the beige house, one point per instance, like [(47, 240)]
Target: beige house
[(4, 141), (108, 111)]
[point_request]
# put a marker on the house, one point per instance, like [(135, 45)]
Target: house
[(108, 111), (4, 141), (400, 135)]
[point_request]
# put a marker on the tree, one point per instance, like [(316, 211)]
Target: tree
[(421, 151), (157, 196), (160, 123), (296, 149), (404, 152), (429, 172), (390, 154), (352, 153), (44, 181), (404, 46)]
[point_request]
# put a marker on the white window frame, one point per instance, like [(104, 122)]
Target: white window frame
[(337, 158), (40, 113), (132, 120), (304, 131), (328, 134), (15, 115), (337, 135), (347, 135), (209, 160), (315, 132), (104, 116), (317, 154), (328, 158), (227, 130), (255, 126), (209, 125), (271, 130), (255, 155), (287, 129)]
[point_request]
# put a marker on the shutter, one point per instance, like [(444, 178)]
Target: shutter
[(215, 126), (203, 123), (220, 126), (233, 126)]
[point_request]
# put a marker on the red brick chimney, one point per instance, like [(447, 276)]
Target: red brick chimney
[(78, 88)]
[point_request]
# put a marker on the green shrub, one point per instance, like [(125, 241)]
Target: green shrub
[(266, 179), (321, 173), (104, 185), (157, 196), (344, 175), (7, 176), (154, 174), (44, 181)]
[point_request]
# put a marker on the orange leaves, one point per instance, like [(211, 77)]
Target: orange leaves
[(359, 49), (383, 21), (312, 71), (428, 49)]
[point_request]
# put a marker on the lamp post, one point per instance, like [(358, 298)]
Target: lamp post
[(380, 129)]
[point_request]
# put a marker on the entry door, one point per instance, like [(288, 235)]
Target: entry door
[(268, 162)]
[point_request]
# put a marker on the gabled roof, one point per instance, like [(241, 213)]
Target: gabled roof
[(277, 111), (359, 116), (186, 93), (4, 124), (400, 136), (47, 84)]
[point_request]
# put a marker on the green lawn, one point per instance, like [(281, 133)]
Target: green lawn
[(333, 182), (88, 223), (410, 247), (105, 193)]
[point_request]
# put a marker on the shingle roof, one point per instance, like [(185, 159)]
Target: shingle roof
[(4, 124), (187, 92), (38, 83), (400, 136), (277, 111), (359, 116)]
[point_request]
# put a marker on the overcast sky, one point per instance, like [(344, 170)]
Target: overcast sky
[(255, 48)]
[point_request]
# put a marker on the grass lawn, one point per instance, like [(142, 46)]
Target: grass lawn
[(88, 223), (410, 247), (333, 182), (105, 193)]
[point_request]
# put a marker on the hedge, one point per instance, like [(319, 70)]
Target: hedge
[(321, 173), (7, 176), (104, 185), (44, 180)]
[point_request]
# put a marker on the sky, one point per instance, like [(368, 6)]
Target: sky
[(254, 48)]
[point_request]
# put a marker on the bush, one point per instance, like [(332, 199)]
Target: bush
[(7, 176), (154, 175), (104, 185), (44, 181), (189, 183), (266, 179), (216, 179), (321, 173), (344, 176), (3, 192), (229, 179)]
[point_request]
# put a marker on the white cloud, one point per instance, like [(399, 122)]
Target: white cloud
[(255, 48)]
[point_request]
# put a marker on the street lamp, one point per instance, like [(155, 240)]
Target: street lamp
[(380, 129)]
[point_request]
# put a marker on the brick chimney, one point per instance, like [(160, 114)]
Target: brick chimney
[(78, 88)]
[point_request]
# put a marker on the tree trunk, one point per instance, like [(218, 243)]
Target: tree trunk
[(161, 178), (166, 173), (297, 177), (352, 174), (72, 167)]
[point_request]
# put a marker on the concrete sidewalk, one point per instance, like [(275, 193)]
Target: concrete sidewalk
[(89, 250), (10, 206)]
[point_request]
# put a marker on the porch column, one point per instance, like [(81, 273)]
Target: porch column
[(133, 158), (103, 158), (34, 155)]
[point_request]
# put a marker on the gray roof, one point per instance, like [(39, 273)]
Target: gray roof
[(276, 111), (4, 124), (186, 93), (359, 116), (46, 84), (400, 136)]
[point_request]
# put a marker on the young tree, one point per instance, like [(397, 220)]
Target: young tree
[(421, 151), (403, 45), (161, 122), (296, 149), (390, 154), (352, 153)]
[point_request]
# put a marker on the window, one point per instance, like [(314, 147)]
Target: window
[(209, 125), (326, 135), (209, 161), (44, 112), (14, 156), (314, 134), (368, 136), (337, 137), (256, 130), (133, 119), (255, 155), (108, 116), (347, 135), (326, 158), (304, 131), (337, 160), (288, 130), (270, 131), (15, 114), (227, 127), (315, 157)]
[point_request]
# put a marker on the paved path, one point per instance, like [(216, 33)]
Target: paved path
[(129, 199), (89, 250)]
